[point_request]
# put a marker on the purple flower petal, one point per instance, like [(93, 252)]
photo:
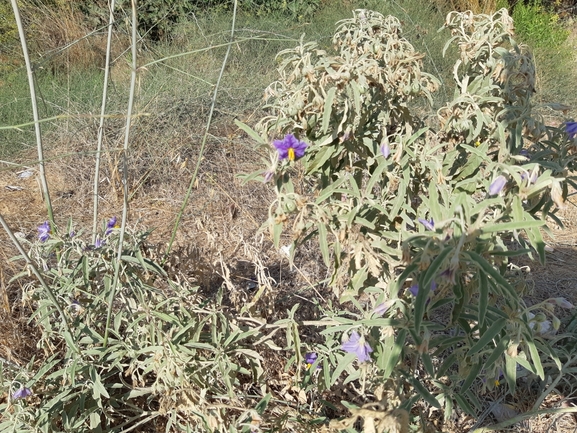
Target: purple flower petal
[(497, 185), (111, 225), (414, 289), (429, 225), (290, 148), (44, 231), (383, 307), (23, 392), (310, 359), (357, 345), (571, 129)]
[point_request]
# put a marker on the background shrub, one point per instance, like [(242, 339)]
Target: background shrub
[(537, 26)]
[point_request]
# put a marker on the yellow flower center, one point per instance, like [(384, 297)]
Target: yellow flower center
[(291, 154)]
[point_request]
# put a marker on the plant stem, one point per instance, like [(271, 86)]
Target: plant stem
[(36, 117), (124, 173), (102, 117)]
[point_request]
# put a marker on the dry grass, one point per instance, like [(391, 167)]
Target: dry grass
[(68, 43)]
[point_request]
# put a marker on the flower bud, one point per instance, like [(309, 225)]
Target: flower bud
[(385, 150), (561, 302), (497, 185)]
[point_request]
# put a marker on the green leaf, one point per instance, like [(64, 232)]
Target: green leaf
[(464, 404), (500, 349), (396, 286), (324, 153), (489, 269), (473, 374), (392, 350), (428, 364), (328, 109), (277, 230), (251, 132), (435, 266), (423, 392), (510, 373), (534, 235), (263, 403), (323, 242), (448, 362), (344, 363), (483, 298), (514, 225), (536, 359), (487, 336)]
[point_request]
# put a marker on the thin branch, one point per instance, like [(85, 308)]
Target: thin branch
[(38, 132), (101, 125), (124, 173)]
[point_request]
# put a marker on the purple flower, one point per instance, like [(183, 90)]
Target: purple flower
[(290, 148), (497, 185), (414, 289), (111, 225), (571, 129), (310, 359), (23, 392), (429, 225), (44, 231), (385, 150), (98, 243), (357, 345)]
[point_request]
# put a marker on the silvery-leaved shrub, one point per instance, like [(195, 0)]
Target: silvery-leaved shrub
[(420, 218), (165, 358)]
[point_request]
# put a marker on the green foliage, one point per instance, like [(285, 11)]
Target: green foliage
[(158, 19), (167, 353), (8, 29), (537, 26), (420, 219)]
